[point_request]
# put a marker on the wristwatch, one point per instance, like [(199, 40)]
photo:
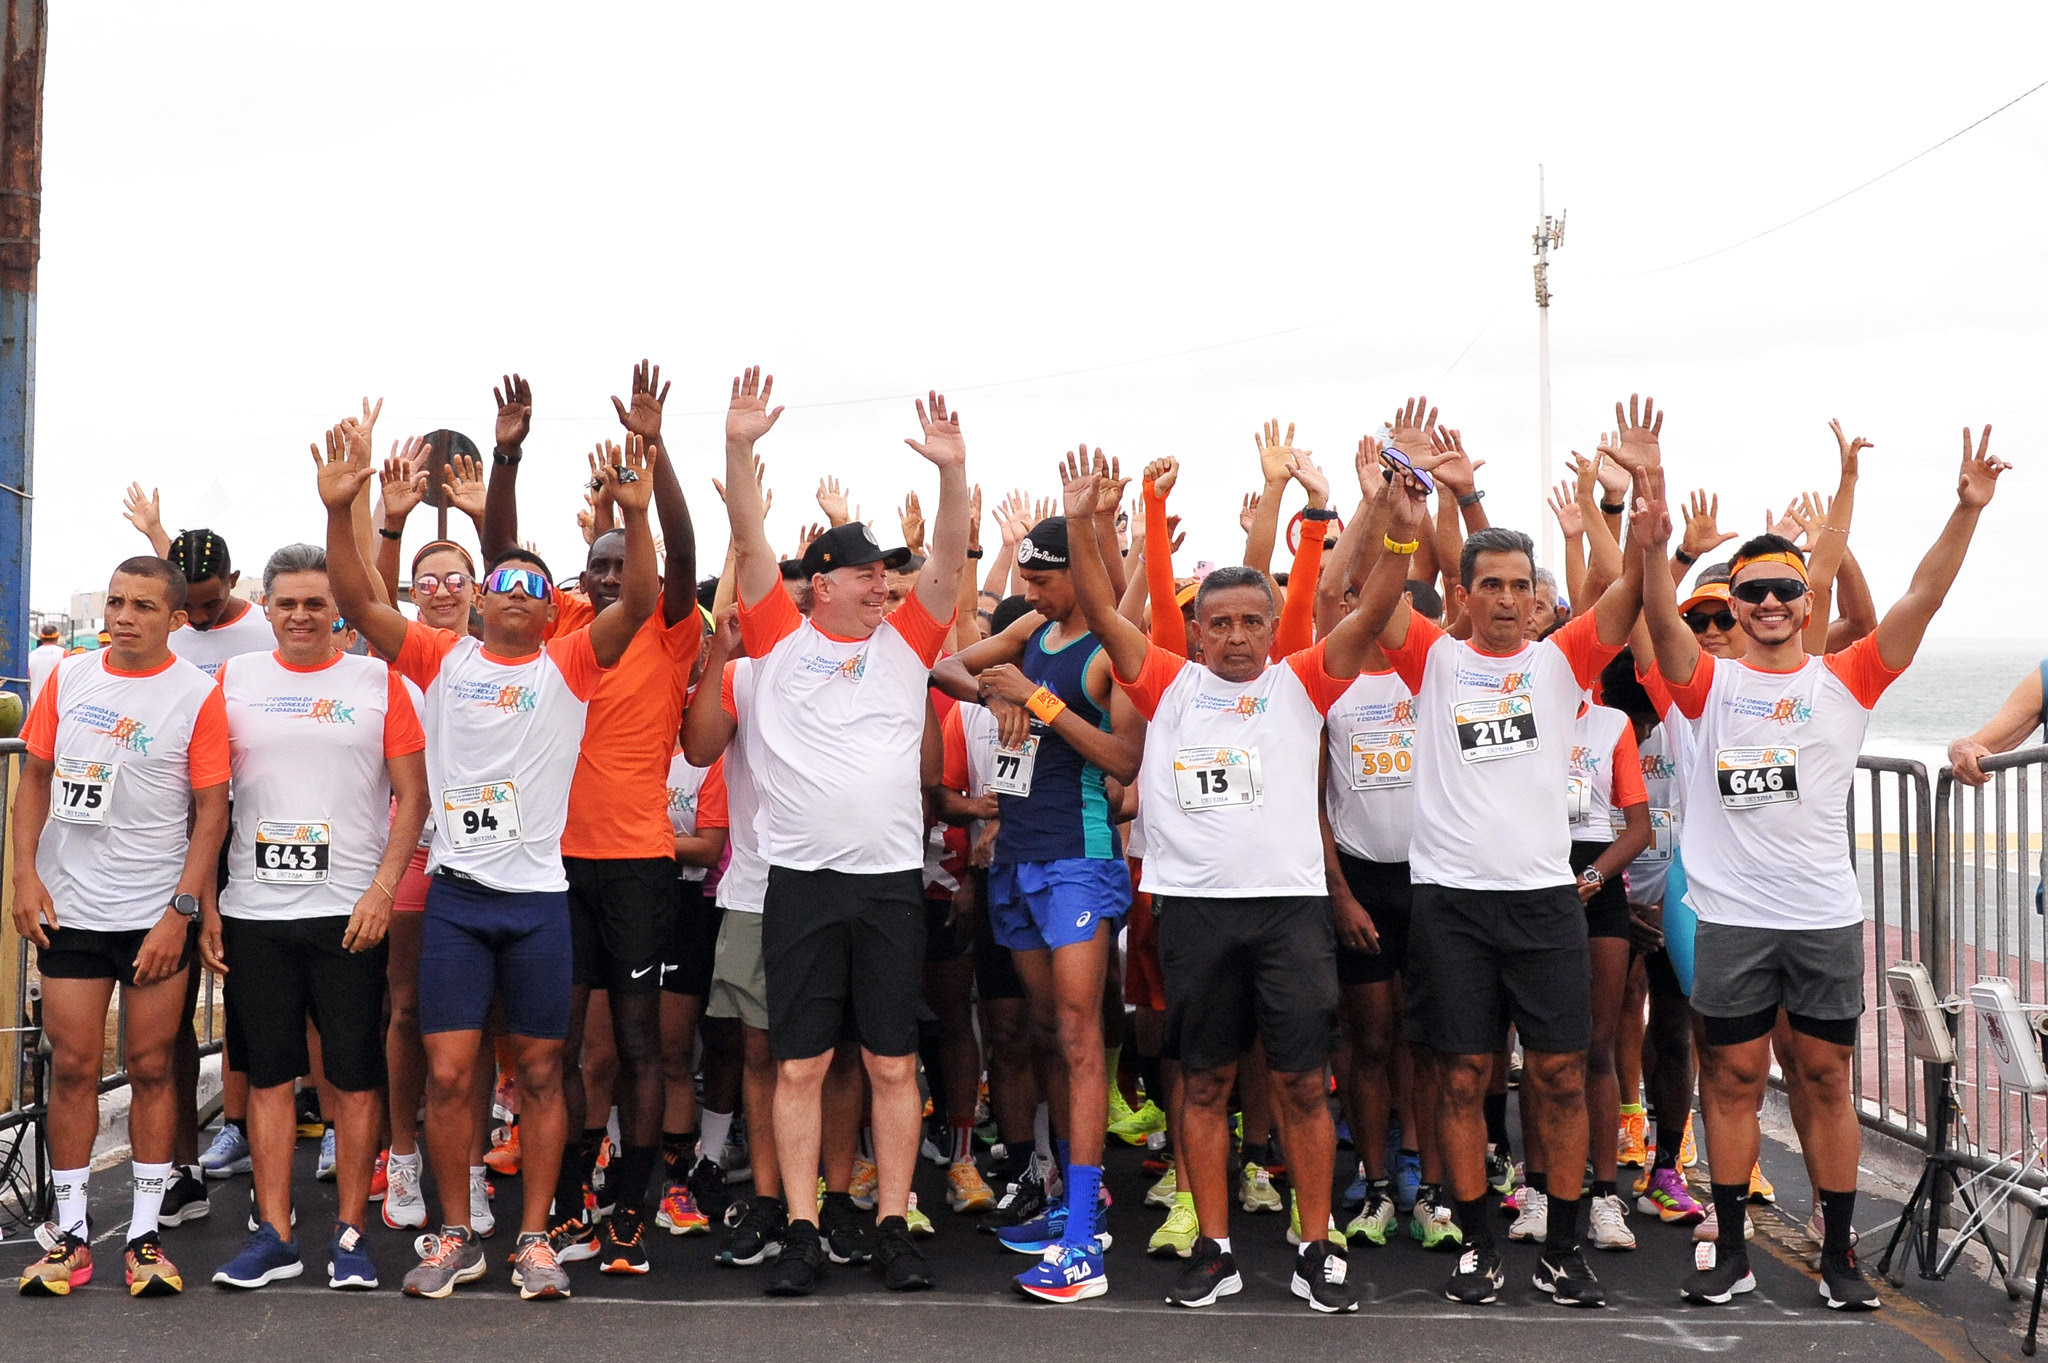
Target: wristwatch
[(1591, 876), (186, 904)]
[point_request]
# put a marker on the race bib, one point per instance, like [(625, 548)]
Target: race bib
[(481, 816), (83, 789), (1495, 726), (1013, 767), (1750, 777), (1663, 835), (292, 853), (1216, 778), (1578, 799), (1382, 759)]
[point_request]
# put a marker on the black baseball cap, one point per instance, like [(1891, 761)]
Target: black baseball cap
[(852, 545), (1045, 546)]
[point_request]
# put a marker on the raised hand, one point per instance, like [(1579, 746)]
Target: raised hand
[(1370, 476), (464, 486), (942, 442), (806, 535), (1274, 452), (1042, 508), (368, 420), (1651, 523), (1585, 474), (1176, 537), (1013, 518), (911, 517), (586, 519), (832, 501), (1810, 509), (1412, 425), (1849, 448), (749, 417), (1703, 533), (344, 471), (1979, 476), (1448, 463), (1080, 484), (1785, 526), (515, 410), (1161, 473), (144, 513), (1564, 505), (404, 478), (1302, 468), (1614, 479), (1639, 427), (627, 477), (974, 519), (1113, 485), (643, 418), (1248, 512)]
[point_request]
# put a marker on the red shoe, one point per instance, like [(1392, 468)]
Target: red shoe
[(380, 1181), (503, 1156)]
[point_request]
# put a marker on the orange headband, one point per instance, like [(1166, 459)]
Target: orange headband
[(1792, 561)]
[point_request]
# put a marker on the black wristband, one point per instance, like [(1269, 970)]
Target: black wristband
[(498, 455), (390, 534), (1686, 559), (1614, 508), (1466, 499), (1319, 513), (974, 553)]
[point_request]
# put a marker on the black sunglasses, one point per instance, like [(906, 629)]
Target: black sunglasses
[(1754, 591), (1723, 620)]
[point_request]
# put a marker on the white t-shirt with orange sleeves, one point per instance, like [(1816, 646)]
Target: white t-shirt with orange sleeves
[(744, 887), (1666, 760), (696, 799), (312, 795), (207, 649), (1493, 740), (129, 750), (1369, 791), (837, 739), (502, 741), (1767, 796), (1228, 781), (1605, 774)]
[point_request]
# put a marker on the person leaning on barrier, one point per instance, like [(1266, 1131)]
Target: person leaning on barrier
[(2011, 726)]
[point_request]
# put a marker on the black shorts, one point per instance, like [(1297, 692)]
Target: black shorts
[(1607, 910), (283, 974), (1382, 887), (1663, 976), (620, 914), (89, 954), (1480, 959), (944, 941), (692, 941), (995, 969), (1239, 968), (840, 948)]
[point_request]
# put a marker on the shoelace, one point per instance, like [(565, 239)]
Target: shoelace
[(539, 1254), (443, 1250)]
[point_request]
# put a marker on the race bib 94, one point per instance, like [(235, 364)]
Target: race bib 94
[(481, 816), (1216, 778), (1751, 777), (1495, 726)]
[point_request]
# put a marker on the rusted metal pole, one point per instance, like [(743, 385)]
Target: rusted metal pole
[(21, 189)]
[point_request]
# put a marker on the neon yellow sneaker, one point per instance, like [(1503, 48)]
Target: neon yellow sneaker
[(1136, 1126), (916, 1221), (1335, 1237), (1632, 1147), (1257, 1193), (1176, 1238), (866, 1178), (1119, 1108), (1374, 1222), (1162, 1193)]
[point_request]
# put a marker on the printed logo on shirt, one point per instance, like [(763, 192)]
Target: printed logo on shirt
[(1783, 710), (1586, 760), (1658, 767), (496, 696), (680, 800), (1400, 713), (1489, 681), (129, 733), (318, 709), (1242, 706), (825, 665)]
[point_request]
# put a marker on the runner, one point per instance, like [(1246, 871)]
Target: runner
[(125, 745), (321, 743), (836, 756), (1058, 885), (1767, 865), (503, 716), (1235, 868), (43, 659)]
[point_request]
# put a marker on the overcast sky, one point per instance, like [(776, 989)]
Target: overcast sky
[(252, 216)]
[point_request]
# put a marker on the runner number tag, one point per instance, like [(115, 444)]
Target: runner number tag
[(1578, 799), (1749, 777), (1012, 774), (1217, 778), (1382, 759), (481, 816), (84, 789), (292, 853), (1495, 726)]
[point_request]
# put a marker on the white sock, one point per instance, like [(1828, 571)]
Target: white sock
[(69, 1187), (1041, 1131), (1223, 1245), (411, 1161), (150, 1182), (711, 1139)]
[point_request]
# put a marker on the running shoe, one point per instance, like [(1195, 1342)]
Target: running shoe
[(936, 1147), (1407, 1167), (184, 1199), (503, 1156), (1175, 1239), (1688, 1153), (1717, 1279), (380, 1176), (1256, 1192), (904, 1267), (845, 1228), (1631, 1147), (1607, 1218), (1532, 1217), (917, 1221), (453, 1256), (255, 1219), (306, 1102), (737, 1159), (1842, 1284), (1210, 1276), (1066, 1273), (1021, 1201), (757, 1224), (965, 1189), (264, 1259), (573, 1240), (536, 1272), (1294, 1223), (1356, 1190), (801, 1263), (404, 1207), (481, 1219), (1433, 1223), (623, 1248), (679, 1214), (323, 1170), (1146, 1121), (349, 1266), (1319, 1278), (1817, 1231), (1269, 1158), (1161, 1194), (1374, 1222), (1567, 1279), (866, 1180), (708, 1188), (1120, 1108), (1761, 1189), (1669, 1200), (229, 1153), (1709, 1227), (1500, 1173), (1479, 1280), (150, 1271), (66, 1263)]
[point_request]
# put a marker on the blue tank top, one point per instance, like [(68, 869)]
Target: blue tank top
[(1066, 815)]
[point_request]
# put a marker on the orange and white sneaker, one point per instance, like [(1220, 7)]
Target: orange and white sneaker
[(66, 1263), (1761, 1189), (966, 1191), (866, 1181), (679, 1214), (1632, 1146), (380, 1177), (503, 1156), (1688, 1153), (150, 1271)]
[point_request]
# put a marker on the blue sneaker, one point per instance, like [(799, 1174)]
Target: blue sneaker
[(265, 1259), (324, 1170), (1354, 1196), (349, 1268), (229, 1153), (1039, 1234), (1407, 1181), (1066, 1273)]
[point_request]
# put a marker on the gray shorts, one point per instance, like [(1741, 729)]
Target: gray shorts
[(739, 978), (1809, 972)]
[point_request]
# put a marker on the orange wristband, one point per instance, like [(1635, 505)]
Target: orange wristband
[(1045, 706)]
